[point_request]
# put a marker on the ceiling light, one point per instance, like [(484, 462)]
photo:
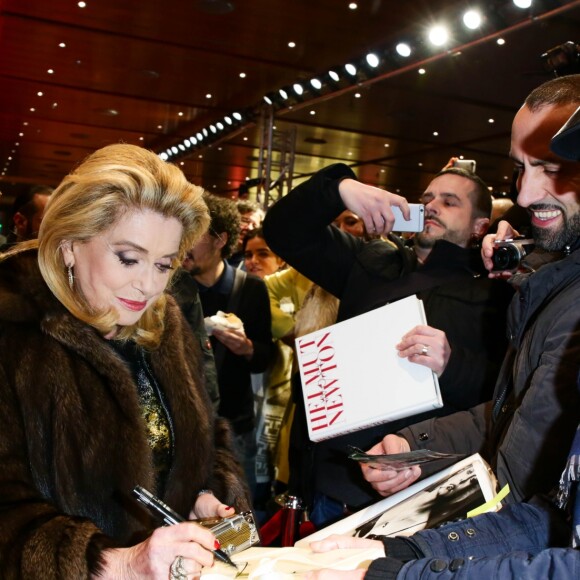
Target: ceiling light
[(82, 4), (187, 142), (472, 19), (32, 109), (353, 5), (204, 131), (438, 35), (357, 95), (228, 120), (283, 94), (491, 120), (500, 41), (245, 138), (372, 60), (403, 49), (220, 126), (333, 75), (313, 112), (175, 150), (523, 3), (316, 84), (435, 134), (163, 156), (40, 93), (213, 129), (291, 44), (242, 75), (298, 88), (193, 140), (141, 139), (237, 116), (181, 147), (159, 127), (180, 114), (268, 100), (199, 136), (350, 69), (208, 96), (62, 45), (421, 71), (50, 71), (387, 145)]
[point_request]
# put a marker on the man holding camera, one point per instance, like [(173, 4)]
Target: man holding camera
[(465, 311), (526, 430)]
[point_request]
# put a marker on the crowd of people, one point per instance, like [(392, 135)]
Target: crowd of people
[(146, 338)]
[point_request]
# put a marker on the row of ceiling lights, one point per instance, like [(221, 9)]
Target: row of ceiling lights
[(334, 79)]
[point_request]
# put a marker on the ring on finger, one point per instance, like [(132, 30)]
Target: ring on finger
[(177, 570), (425, 350)]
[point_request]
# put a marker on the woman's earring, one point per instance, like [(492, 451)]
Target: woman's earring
[(71, 279)]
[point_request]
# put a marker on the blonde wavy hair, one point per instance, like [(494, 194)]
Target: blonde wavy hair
[(105, 186)]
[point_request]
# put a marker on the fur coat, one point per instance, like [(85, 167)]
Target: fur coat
[(72, 438)]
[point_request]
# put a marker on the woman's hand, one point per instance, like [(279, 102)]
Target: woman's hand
[(207, 505), (388, 481), (153, 558), (426, 346), (372, 204), (235, 340)]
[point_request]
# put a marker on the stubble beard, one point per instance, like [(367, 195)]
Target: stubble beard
[(556, 240)]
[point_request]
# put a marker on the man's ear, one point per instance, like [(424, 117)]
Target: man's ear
[(20, 221), (480, 227), (66, 248), (221, 240)]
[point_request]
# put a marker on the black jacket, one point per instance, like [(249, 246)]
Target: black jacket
[(459, 299), (233, 371)]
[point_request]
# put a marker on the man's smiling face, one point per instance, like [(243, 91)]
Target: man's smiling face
[(548, 186)]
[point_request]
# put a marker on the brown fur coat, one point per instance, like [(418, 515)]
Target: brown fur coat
[(72, 438)]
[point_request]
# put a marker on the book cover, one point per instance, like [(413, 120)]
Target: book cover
[(353, 378)]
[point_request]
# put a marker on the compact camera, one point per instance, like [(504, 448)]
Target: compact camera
[(508, 254)]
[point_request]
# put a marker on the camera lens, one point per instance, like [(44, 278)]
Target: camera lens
[(505, 258)]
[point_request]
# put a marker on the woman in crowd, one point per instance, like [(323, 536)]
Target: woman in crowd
[(101, 386), (258, 257)]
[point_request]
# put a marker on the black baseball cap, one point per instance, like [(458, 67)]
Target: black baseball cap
[(566, 142)]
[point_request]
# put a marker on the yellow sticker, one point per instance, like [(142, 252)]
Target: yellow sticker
[(491, 504)]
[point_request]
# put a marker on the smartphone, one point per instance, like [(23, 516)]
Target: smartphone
[(415, 224), (467, 164)]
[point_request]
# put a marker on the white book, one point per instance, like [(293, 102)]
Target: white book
[(446, 495), (353, 378)]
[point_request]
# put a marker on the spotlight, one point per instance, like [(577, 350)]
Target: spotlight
[(298, 89), (181, 147), (523, 3), (220, 126), (334, 76), (350, 69), (268, 100), (213, 129), (174, 150), (163, 156), (472, 19), (204, 131), (228, 120), (193, 140), (237, 116), (372, 60), (438, 35), (316, 84), (403, 49), (199, 136), (283, 94), (563, 59), (187, 142)]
